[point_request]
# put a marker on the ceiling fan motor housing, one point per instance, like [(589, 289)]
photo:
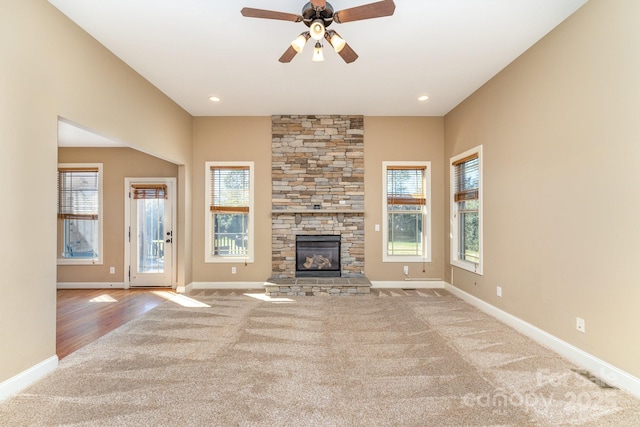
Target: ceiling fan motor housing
[(310, 14)]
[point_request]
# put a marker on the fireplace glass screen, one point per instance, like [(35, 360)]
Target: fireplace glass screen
[(317, 256)]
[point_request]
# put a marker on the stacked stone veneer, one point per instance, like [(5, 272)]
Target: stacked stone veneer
[(321, 286), (317, 187)]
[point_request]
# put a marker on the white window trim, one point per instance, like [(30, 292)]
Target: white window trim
[(208, 256), (426, 220), (455, 260), (99, 259)]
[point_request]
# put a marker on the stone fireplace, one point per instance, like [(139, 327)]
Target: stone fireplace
[(317, 189)]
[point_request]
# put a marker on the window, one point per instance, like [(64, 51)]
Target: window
[(229, 212), (406, 207), (80, 213), (466, 210)]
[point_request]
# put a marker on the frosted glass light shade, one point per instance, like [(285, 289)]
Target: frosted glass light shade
[(299, 42), (317, 29), (317, 53), (337, 42)]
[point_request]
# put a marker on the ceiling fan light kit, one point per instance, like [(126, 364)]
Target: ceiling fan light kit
[(317, 53), (317, 29), (300, 41), (336, 41), (318, 15)]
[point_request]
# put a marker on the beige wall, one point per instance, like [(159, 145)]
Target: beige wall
[(51, 68), (561, 140), (117, 164), (402, 139), (233, 139), (249, 138)]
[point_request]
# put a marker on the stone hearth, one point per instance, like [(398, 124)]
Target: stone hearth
[(323, 286)]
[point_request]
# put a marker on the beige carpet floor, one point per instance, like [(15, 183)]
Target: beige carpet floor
[(392, 358)]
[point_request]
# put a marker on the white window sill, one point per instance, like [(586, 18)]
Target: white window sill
[(404, 258), (469, 266), (69, 261), (228, 259)]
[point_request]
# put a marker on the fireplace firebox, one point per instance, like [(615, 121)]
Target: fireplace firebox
[(317, 256)]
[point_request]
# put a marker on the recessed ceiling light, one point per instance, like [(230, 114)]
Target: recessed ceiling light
[(214, 99), (423, 98)]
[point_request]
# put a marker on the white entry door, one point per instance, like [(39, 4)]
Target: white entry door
[(151, 233)]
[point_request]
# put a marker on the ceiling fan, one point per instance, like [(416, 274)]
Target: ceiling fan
[(318, 15)]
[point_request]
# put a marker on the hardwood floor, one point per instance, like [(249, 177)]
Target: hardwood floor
[(84, 315)]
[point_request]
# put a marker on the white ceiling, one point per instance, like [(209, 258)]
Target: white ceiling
[(74, 135), (193, 49)]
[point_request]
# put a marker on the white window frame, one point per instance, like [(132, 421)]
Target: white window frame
[(426, 218), (99, 259), (208, 245), (455, 231)]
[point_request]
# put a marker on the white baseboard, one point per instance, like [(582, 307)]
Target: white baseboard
[(25, 378), (225, 285), (409, 284), (601, 369), (90, 285)]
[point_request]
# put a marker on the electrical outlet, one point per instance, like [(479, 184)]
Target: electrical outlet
[(377, 227), (580, 325), (233, 270), (406, 270), (112, 270), (499, 290)]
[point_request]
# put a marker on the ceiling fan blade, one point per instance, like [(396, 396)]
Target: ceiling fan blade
[(288, 55), (250, 12), (348, 54), (319, 4), (366, 11)]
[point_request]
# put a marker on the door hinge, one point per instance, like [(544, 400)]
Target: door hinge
[(129, 234), (129, 274)]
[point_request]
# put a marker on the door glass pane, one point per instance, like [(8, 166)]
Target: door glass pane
[(150, 235)]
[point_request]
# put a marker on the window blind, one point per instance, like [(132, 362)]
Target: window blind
[(78, 193), (230, 189), (405, 185), (466, 178), (149, 191)]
